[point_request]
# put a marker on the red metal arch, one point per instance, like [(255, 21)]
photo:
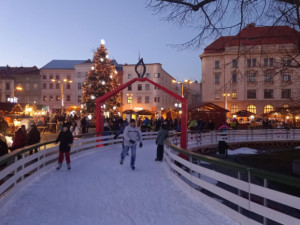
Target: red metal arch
[(101, 100)]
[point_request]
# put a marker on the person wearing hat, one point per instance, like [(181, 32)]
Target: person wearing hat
[(162, 135), (65, 139), (131, 135)]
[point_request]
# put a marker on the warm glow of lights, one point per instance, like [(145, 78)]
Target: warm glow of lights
[(53, 80), (115, 107), (92, 67), (28, 109), (180, 112), (65, 80), (226, 94), (93, 97), (252, 117), (17, 123), (103, 82), (111, 76), (297, 117), (19, 88), (176, 104), (174, 81), (234, 116), (161, 108), (101, 59), (287, 117), (102, 42), (90, 117), (107, 56), (186, 81), (138, 108)]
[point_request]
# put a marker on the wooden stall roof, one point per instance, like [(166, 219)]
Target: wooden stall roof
[(207, 107)]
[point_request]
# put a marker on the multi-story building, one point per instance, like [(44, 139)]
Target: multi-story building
[(253, 70), (22, 83), (81, 71), (57, 80), (143, 95)]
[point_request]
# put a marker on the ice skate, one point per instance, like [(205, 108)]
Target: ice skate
[(58, 166)]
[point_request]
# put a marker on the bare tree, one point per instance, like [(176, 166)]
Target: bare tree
[(215, 18)]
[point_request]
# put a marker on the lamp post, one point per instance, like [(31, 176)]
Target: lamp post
[(62, 89), (226, 95), (13, 99), (130, 95), (182, 83), (19, 88)]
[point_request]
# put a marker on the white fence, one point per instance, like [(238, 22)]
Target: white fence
[(233, 193), (197, 138), (21, 167)]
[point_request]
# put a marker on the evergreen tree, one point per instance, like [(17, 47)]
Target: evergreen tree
[(101, 79)]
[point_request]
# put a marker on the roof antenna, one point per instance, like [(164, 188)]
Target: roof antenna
[(139, 56)]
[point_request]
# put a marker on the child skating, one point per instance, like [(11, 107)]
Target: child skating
[(65, 139)]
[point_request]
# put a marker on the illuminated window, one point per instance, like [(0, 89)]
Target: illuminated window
[(268, 108), (234, 109), (129, 99), (252, 109), (234, 94)]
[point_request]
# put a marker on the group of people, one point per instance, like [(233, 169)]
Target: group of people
[(132, 135)]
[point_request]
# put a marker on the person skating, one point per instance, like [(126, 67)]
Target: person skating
[(131, 134), (65, 139), (162, 135)]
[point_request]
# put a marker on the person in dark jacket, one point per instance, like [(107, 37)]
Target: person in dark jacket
[(34, 137), (83, 125), (65, 139), (160, 139), (3, 148), (19, 140)]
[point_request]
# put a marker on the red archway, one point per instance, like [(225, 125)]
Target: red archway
[(100, 102)]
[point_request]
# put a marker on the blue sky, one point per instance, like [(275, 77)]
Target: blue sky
[(33, 32)]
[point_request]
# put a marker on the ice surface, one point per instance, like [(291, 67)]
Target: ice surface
[(98, 190), (239, 151)]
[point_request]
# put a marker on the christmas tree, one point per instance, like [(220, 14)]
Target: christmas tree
[(101, 79)]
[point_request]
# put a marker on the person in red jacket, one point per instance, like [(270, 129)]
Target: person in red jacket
[(19, 139)]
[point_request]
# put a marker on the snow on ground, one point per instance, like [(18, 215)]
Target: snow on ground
[(239, 151), (98, 190)]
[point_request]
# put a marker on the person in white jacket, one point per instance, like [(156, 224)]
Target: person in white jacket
[(132, 134)]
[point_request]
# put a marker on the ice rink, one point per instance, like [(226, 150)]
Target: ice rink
[(98, 190)]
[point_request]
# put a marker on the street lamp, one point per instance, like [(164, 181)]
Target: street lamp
[(130, 95), (182, 83), (226, 95), (62, 89)]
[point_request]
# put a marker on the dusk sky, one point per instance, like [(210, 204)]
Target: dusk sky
[(33, 32)]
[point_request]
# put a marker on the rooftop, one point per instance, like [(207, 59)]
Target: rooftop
[(252, 35), (7, 71), (64, 64)]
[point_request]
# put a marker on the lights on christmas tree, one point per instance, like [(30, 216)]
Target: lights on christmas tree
[(116, 72), (107, 56), (111, 76), (101, 59), (92, 67), (103, 82), (102, 42), (115, 107), (93, 97)]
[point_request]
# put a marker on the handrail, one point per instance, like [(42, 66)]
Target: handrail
[(280, 178)]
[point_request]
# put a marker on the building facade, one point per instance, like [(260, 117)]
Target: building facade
[(81, 71), (253, 70), (57, 80), (143, 95), (22, 83)]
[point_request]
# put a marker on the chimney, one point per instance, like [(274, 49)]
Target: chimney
[(251, 25)]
